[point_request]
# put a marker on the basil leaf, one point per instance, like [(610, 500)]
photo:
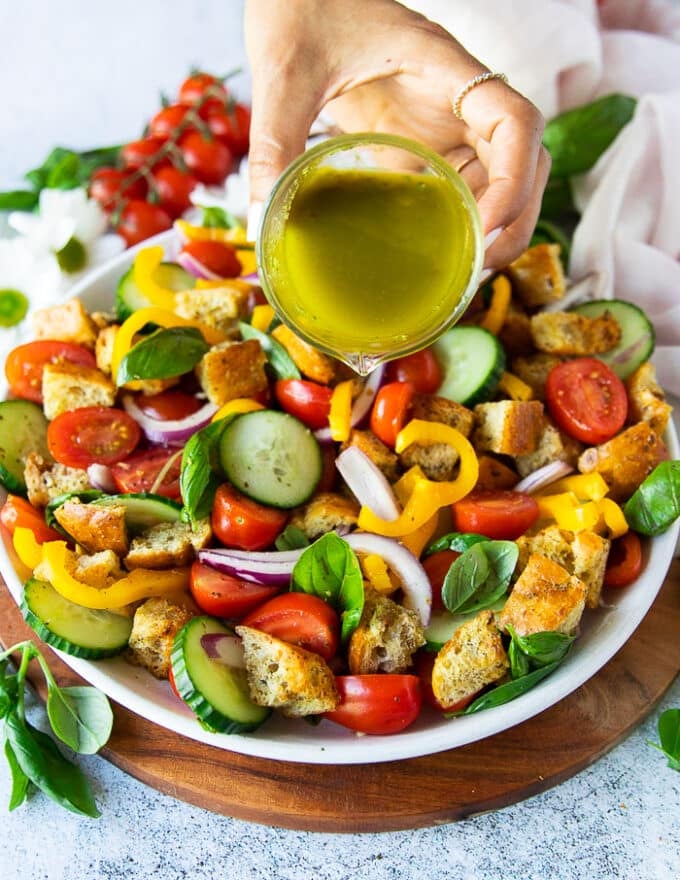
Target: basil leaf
[(480, 576), (577, 138), (504, 693), (668, 726), (38, 176), (458, 541), (291, 538), (80, 716), (41, 761), (163, 354), (18, 200), (655, 504), (330, 570), (20, 781), (542, 648), (8, 689), (280, 361), (201, 473), (65, 173), (558, 201), (219, 218), (519, 662)]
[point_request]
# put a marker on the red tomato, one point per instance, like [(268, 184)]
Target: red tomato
[(173, 685), (421, 369), (209, 161), (308, 401), (17, 512), (300, 619), (424, 664), (437, 567), (216, 256), (231, 125), (142, 152), (586, 399), (390, 411), (139, 472), (171, 405), (240, 522), (624, 563), (222, 595), (174, 188), (378, 704), (166, 122), (92, 435), (109, 185), (25, 363), (204, 88), (140, 220), (329, 472), (499, 514)]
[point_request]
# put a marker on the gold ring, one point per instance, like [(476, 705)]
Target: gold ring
[(469, 86)]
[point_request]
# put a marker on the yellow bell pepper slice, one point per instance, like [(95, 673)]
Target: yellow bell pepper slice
[(237, 406), (568, 512), (376, 573), (427, 496), (27, 548), (514, 387), (418, 540), (613, 517), (262, 317), (586, 487), (501, 292), (227, 283), (145, 264), (140, 583), (340, 415)]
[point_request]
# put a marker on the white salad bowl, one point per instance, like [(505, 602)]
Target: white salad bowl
[(603, 633)]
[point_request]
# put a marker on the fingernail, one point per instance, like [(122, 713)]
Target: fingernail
[(492, 236), (254, 217), (484, 276)]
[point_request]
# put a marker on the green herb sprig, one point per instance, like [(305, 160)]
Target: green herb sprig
[(669, 736), (80, 717)]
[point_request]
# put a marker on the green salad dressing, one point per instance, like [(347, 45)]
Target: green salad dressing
[(372, 263)]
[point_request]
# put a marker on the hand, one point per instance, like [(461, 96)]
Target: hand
[(377, 66)]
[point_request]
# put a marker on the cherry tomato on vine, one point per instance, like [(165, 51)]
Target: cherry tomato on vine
[(17, 512), (138, 153), (165, 123), (624, 563), (215, 256), (499, 514), (109, 185), (437, 567), (240, 522), (300, 619), (223, 595), (140, 472), (92, 435), (421, 369), (139, 220), (231, 126), (170, 405), (306, 400), (390, 411), (174, 188), (25, 363), (209, 161), (378, 704), (203, 88)]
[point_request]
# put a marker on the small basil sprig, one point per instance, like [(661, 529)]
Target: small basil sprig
[(201, 472), (458, 541), (480, 576), (163, 354), (218, 218), (330, 570), (508, 691), (668, 726), (80, 717), (542, 648), (655, 504), (279, 360)]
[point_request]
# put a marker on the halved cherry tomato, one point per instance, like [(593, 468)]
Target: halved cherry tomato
[(300, 619), (240, 522), (141, 152), (216, 256), (377, 704), (499, 514), (139, 220), (223, 595), (586, 399), (231, 125), (109, 185), (421, 369), (17, 512), (165, 123), (208, 161), (25, 363), (437, 567), (92, 435), (390, 410), (171, 405), (308, 401), (174, 188), (139, 472), (624, 562), (424, 664)]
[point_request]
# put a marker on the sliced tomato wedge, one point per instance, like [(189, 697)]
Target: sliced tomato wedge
[(24, 365), (223, 595), (390, 411), (171, 405), (308, 401), (586, 399), (140, 472), (421, 369), (92, 435), (300, 619), (377, 704), (437, 567), (17, 512), (240, 522), (624, 562), (499, 514)]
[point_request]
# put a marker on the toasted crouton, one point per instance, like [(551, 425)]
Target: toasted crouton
[(534, 370), (472, 658), (544, 598), (95, 526), (515, 334), (380, 454), (68, 322), (568, 333), (103, 349), (325, 512), (552, 445), (437, 460), (219, 307), (538, 276), (646, 400), (156, 623), (625, 460), (233, 369), (387, 637), (508, 427), (286, 677), (68, 386), (313, 363), (46, 480), (168, 545), (100, 569)]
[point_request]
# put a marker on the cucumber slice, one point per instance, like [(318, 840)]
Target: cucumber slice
[(129, 297), (23, 429), (443, 625), (144, 509), (472, 362), (637, 334), (81, 632), (271, 457), (217, 693)]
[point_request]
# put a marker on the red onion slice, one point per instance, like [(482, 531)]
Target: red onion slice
[(368, 483), (361, 405), (271, 568), (545, 475), (251, 278), (194, 267), (174, 432), (225, 649), (100, 477)]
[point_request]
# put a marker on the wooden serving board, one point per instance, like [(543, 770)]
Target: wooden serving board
[(486, 775)]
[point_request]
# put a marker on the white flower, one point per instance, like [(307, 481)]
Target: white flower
[(36, 277)]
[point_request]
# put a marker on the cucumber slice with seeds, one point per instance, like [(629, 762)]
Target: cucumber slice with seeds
[(23, 429), (129, 297), (144, 509), (472, 361), (637, 334)]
